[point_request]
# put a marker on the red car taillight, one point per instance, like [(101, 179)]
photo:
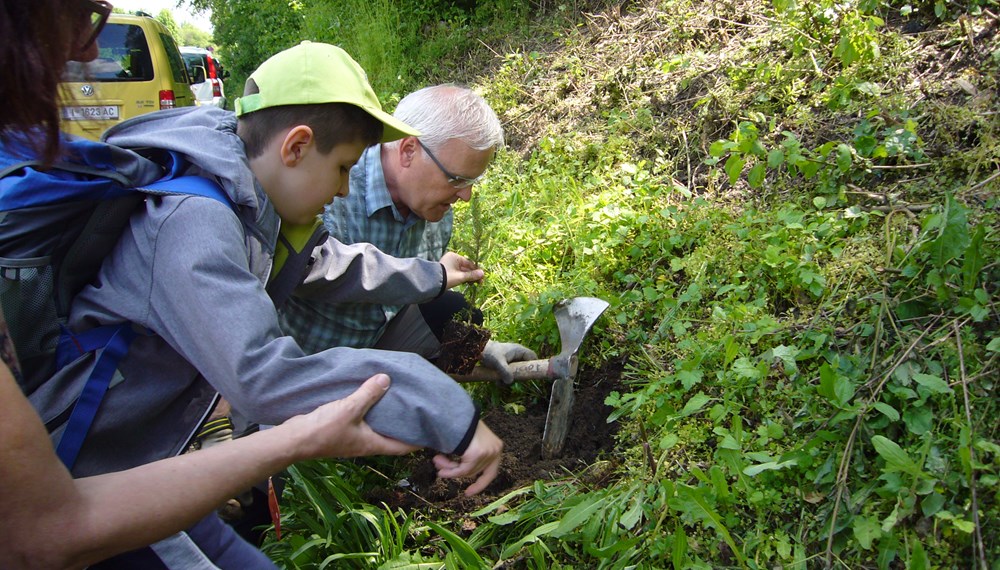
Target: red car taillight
[(167, 100), (216, 87)]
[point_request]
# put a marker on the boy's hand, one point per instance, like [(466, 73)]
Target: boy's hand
[(460, 269), (482, 458), (338, 429)]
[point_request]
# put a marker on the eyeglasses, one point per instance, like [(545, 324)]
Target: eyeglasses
[(97, 12), (457, 182)]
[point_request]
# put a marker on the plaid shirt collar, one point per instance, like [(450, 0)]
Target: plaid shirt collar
[(372, 177)]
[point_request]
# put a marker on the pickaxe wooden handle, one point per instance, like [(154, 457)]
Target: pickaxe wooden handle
[(574, 317)]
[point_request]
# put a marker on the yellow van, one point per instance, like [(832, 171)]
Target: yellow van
[(138, 70)]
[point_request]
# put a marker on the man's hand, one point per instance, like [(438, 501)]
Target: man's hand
[(497, 355), (482, 458), (338, 429), (460, 269)]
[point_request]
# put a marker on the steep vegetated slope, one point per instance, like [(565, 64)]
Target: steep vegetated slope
[(792, 209)]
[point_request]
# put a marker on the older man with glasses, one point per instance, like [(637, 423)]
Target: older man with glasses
[(400, 200)]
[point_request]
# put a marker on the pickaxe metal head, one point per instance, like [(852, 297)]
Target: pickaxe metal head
[(574, 317)]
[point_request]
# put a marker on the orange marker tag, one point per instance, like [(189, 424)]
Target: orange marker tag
[(272, 503)]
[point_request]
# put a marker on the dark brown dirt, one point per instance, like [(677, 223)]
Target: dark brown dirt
[(461, 345), (590, 438)]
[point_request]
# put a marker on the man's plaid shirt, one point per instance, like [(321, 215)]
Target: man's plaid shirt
[(365, 215)]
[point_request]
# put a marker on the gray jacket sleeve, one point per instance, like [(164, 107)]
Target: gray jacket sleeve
[(210, 308), (361, 273)]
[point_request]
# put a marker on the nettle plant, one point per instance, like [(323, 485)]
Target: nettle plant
[(876, 142)]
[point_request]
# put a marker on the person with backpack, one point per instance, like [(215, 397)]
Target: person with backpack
[(103, 515), (197, 279), (400, 200)]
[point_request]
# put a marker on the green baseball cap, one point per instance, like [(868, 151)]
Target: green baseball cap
[(312, 73)]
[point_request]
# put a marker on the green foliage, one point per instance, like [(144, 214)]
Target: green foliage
[(399, 44), (328, 526), (803, 285), (191, 35), (166, 18)]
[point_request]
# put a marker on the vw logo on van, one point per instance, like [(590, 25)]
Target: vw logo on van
[(87, 90)]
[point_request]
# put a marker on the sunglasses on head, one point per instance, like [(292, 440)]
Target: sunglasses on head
[(97, 12), (456, 181)]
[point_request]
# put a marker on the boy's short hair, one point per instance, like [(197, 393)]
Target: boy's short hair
[(304, 84), (331, 123)]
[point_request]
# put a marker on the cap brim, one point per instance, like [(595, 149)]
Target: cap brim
[(393, 128)]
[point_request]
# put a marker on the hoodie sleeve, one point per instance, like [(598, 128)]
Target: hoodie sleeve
[(219, 318), (361, 273)]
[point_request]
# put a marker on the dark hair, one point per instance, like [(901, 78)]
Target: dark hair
[(332, 124), (37, 39)]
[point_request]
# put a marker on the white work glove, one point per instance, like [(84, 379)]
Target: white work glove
[(497, 355)]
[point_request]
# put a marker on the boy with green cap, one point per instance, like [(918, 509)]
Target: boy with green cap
[(202, 279)]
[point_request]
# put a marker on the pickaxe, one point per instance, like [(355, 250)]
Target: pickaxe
[(574, 317)]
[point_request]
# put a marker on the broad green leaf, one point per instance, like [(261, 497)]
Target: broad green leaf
[(827, 377), (931, 504), (729, 442), (866, 530), (669, 440), (465, 552), (887, 410), (756, 175), (974, 260), (787, 354), (689, 378), (844, 389), (869, 88), (918, 558), (964, 525), (615, 547), (809, 168), (677, 554), (994, 345), (896, 458), (633, 515), (933, 383), (744, 368), (501, 502), (734, 167), (691, 501), (918, 419), (775, 158), (504, 519), (769, 466), (953, 238), (720, 147), (844, 158), (890, 521), (578, 515), (531, 538), (696, 403)]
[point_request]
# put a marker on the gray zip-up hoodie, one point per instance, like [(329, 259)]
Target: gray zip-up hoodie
[(191, 271)]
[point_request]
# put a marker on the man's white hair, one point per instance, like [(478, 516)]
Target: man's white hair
[(449, 111)]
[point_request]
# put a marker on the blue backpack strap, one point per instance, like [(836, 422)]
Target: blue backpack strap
[(112, 341), (192, 185)]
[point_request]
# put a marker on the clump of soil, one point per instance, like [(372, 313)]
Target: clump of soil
[(590, 438), (461, 346)]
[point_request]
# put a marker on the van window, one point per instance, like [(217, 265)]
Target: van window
[(193, 60), (174, 55), (123, 55)]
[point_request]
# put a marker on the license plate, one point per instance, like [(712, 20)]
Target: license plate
[(90, 113)]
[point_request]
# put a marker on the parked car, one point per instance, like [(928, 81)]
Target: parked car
[(206, 76), (139, 69)]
